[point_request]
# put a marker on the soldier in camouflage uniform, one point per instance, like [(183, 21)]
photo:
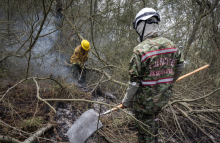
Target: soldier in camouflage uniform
[(155, 64)]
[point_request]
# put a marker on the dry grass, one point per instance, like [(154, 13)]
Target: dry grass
[(187, 121)]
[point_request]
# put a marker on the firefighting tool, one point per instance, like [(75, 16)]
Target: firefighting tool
[(89, 121)]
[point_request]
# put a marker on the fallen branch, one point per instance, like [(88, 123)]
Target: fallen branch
[(16, 129), (200, 116), (192, 100), (12, 88), (6, 139), (175, 118), (52, 80), (108, 76), (205, 111), (105, 136), (91, 101), (97, 83), (38, 134), (2, 96), (187, 116), (80, 36), (38, 96)]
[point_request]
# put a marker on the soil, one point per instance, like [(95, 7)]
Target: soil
[(67, 114), (21, 109)]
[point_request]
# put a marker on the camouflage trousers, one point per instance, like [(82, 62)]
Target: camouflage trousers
[(152, 121)]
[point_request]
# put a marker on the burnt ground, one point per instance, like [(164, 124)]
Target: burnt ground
[(21, 109), (68, 113)]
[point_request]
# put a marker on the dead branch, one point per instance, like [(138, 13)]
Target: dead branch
[(36, 37), (108, 76), (38, 134), (192, 100), (80, 36), (187, 116), (38, 96), (112, 66), (67, 64), (102, 133), (57, 135), (91, 101), (205, 111), (174, 114), (3, 123), (200, 116), (6, 139), (98, 83), (28, 79), (12, 87)]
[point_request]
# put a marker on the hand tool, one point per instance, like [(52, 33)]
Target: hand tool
[(87, 123)]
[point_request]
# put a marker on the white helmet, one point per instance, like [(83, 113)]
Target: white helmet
[(145, 14)]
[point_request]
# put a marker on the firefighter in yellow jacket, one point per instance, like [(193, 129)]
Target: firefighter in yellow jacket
[(78, 60)]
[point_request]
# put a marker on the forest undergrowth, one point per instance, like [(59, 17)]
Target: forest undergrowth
[(192, 115)]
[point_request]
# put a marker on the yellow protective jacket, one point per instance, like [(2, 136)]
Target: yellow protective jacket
[(80, 56)]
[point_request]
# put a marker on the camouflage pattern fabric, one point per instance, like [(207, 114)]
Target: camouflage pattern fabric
[(148, 119), (153, 65)]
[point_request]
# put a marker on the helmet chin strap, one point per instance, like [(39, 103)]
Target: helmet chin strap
[(142, 36)]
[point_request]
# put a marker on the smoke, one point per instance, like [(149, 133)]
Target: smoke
[(46, 59)]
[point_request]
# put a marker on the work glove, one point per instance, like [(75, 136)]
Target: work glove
[(131, 91), (178, 70), (123, 106)]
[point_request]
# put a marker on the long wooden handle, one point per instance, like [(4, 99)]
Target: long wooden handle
[(113, 109), (182, 77), (199, 69), (119, 106)]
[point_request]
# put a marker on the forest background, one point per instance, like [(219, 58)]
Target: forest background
[(37, 37)]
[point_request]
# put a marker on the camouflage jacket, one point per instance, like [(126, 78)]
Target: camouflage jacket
[(80, 56), (153, 65)]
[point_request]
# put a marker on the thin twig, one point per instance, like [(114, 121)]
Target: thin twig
[(192, 100), (187, 116), (38, 96), (98, 83), (177, 121), (12, 87)]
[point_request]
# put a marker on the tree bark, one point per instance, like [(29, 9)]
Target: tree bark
[(6, 139)]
